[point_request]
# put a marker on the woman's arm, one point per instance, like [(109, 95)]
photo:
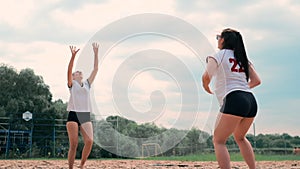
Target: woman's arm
[(209, 72), (70, 67), (95, 70), (254, 78)]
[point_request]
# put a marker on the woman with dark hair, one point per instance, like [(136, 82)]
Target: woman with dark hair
[(235, 76), (79, 108)]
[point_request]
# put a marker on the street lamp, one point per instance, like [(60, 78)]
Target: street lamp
[(28, 116)]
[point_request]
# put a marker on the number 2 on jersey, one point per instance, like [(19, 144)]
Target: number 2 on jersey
[(235, 67)]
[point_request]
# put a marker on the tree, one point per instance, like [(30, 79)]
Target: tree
[(25, 91), (2, 111), (195, 140), (295, 141), (8, 77), (170, 139), (31, 87)]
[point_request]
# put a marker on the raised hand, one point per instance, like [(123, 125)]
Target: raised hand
[(70, 67), (95, 48), (95, 70), (73, 50)]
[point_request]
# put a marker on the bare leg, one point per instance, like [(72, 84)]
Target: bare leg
[(87, 133), (244, 144), (72, 128), (225, 126)]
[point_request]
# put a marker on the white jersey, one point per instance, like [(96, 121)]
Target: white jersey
[(229, 75), (79, 100)]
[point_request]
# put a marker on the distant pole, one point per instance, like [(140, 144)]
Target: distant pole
[(254, 136), (54, 146), (8, 141), (284, 144), (142, 151), (117, 135), (31, 135)]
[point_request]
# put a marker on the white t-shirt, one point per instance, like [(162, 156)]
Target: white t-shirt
[(79, 100), (229, 76)]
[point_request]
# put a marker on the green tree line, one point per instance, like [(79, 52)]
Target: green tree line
[(25, 91)]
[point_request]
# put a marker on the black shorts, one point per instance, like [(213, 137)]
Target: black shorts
[(239, 103), (79, 117)]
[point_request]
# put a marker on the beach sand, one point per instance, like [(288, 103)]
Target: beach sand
[(140, 164)]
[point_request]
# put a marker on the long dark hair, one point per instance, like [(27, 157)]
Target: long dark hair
[(233, 40)]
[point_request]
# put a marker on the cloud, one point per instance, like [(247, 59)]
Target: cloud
[(47, 59), (104, 13), (16, 14)]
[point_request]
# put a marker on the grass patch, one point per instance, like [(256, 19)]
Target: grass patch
[(192, 157), (289, 157), (233, 157)]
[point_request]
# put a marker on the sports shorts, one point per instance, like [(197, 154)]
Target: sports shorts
[(240, 103), (79, 117)]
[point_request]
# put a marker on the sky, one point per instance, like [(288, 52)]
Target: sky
[(154, 77)]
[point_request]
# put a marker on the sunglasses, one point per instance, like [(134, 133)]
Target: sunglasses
[(218, 37)]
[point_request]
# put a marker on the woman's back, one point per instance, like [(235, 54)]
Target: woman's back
[(229, 76)]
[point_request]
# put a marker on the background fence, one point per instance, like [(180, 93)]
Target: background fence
[(33, 138), (46, 137)]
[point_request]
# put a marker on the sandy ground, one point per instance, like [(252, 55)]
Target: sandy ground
[(139, 164)]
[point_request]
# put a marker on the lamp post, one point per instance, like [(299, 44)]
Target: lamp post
[(8, 140), (28, 116), (254, 136)]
